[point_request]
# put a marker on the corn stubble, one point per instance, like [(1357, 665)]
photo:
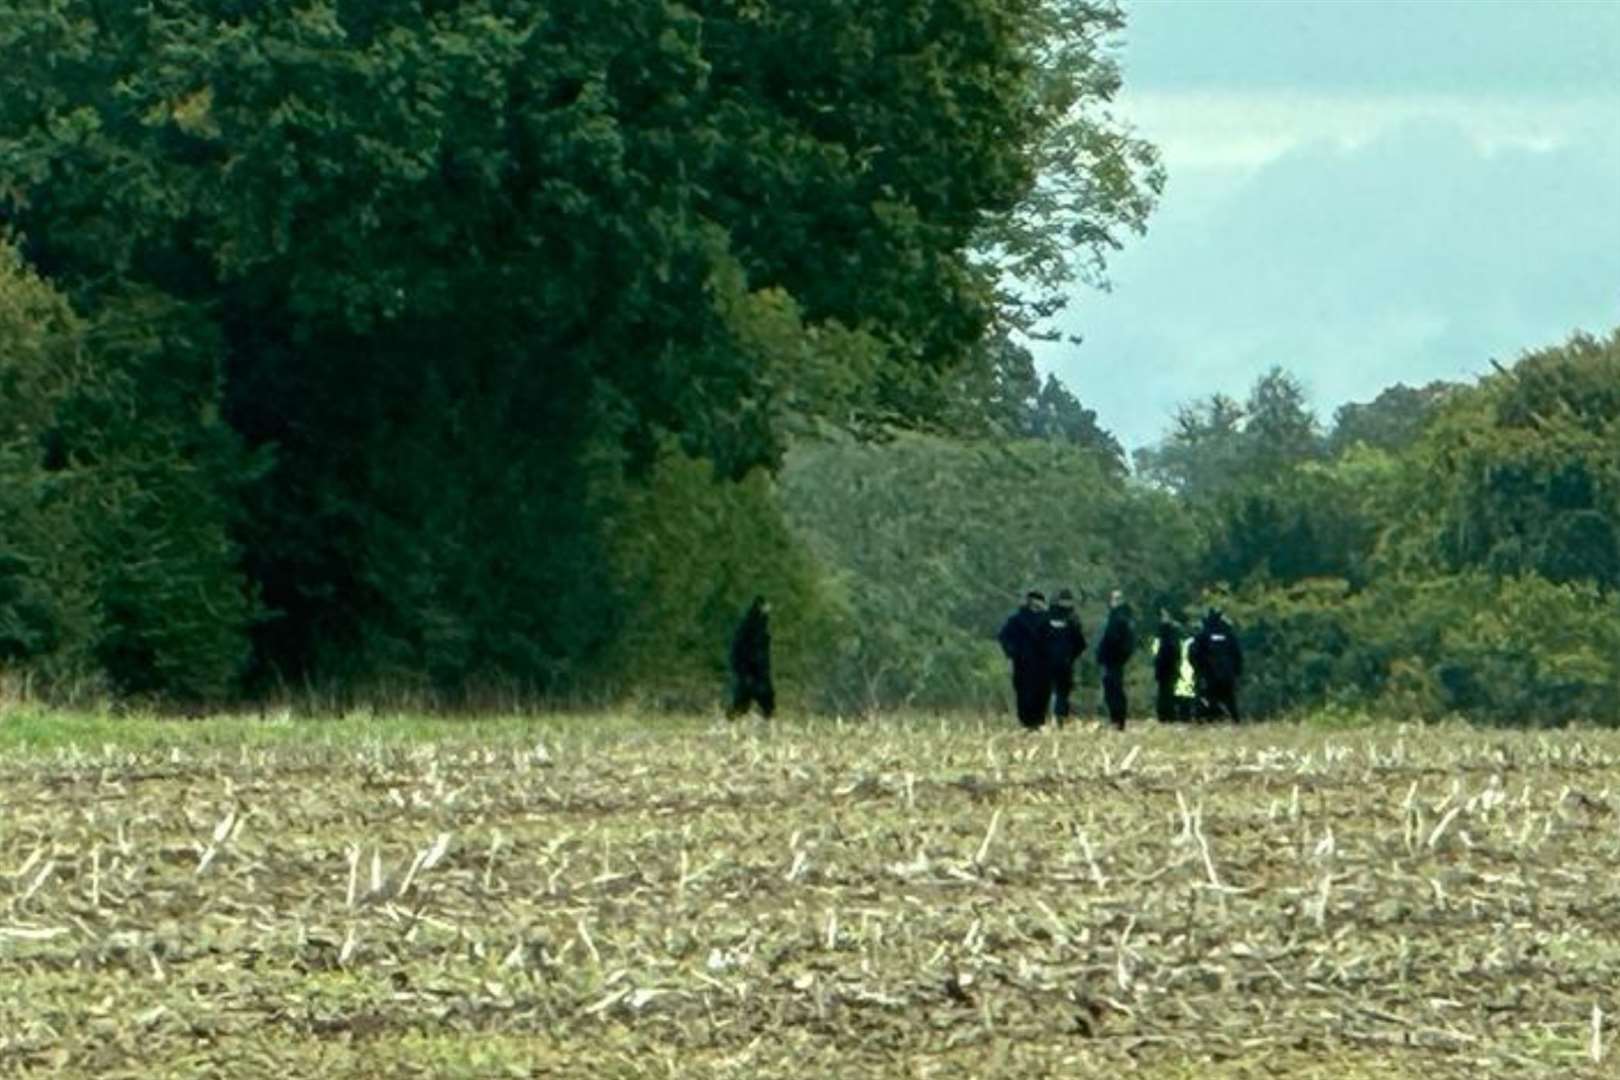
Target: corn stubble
[(896, 898)]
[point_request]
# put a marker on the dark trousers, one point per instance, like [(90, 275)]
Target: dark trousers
[(1165, 704), (749, 688), (1062, 689), (1113, 684), (1221, 698), (1033, 692)]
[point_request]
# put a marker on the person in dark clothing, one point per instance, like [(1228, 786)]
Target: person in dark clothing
[(751, 662), (1065, 643), (1167, 670), (1114, 650), (1217, 657), (1023, 638)]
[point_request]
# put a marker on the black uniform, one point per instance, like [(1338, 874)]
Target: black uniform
[(1113, 652), (1023, 639), (1167, 671), (1217, 657), (751, 663), (1065, 643)]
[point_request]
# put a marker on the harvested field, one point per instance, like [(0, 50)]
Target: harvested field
[(902, 898)]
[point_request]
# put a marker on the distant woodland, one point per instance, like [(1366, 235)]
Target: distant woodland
[(459, 352)]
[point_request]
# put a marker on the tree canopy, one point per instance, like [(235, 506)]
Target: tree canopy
[(429, 284)]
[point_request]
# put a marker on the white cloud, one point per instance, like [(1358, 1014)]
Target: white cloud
[(1202, 131)]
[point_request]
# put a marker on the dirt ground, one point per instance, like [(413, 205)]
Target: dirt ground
[(911, 898)]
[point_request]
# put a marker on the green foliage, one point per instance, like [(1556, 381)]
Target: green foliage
[(1518, 651), (1095, 180), (1304, 646), (1218, 445), (161, 473), (118, 567), (1313, 521), (1003, 396), (1393, 421), (691, 552), (1204, 452), (46, 603), (460, 268), (1458, 555), (934, 542), (1528, 464)]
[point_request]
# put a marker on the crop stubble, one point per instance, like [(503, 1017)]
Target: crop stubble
[(905, 898)]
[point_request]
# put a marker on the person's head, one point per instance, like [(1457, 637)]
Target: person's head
[(1116, 598), (1035, 600), (760, 606), (1064, 601)]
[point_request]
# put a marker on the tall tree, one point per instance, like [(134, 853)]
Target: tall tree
[(1280, 427), (1522, 473), (1393, 421), (1203, 452), (1217, 444), (459, 266)]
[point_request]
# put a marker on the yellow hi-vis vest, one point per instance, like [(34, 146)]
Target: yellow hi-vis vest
[(1186, 681)]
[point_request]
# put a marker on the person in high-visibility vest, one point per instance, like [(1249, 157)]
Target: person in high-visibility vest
[(1167, 664), (1187, 694)]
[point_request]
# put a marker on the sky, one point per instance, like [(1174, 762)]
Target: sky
[(1362, 192)]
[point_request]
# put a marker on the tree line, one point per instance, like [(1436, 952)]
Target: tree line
[(441, 351)]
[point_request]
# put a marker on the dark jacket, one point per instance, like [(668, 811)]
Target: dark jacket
[(1167, 659), (1118, 639), (1217, 655), (751, 644), (1023, 639), (1065, 641)]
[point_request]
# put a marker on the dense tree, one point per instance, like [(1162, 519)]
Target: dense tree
[(1280, 428), (1203, 453), (46, 606), (1521, 474), (1392, 421), (458, 268), (1218, 445), (1476, 564), (932, 542), (1004, 396), (117, 571)]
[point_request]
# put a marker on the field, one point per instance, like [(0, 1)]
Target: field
[(618, 897)]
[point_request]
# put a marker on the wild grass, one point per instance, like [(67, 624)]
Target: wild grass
[(620, 895)]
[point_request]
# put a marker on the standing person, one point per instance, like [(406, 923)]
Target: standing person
[(1218, 659), (1114, 651), (1065, 643), (1189, 696), (1167, 662), (1023, 640), (751, 662)]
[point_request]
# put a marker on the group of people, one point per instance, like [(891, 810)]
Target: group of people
[(1197, 675)]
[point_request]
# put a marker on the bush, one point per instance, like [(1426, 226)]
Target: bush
[(117, 569)]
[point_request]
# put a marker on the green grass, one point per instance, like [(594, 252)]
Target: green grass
[(36, 729)]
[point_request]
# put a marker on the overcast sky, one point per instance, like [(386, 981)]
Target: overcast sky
[(1364, 192)]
